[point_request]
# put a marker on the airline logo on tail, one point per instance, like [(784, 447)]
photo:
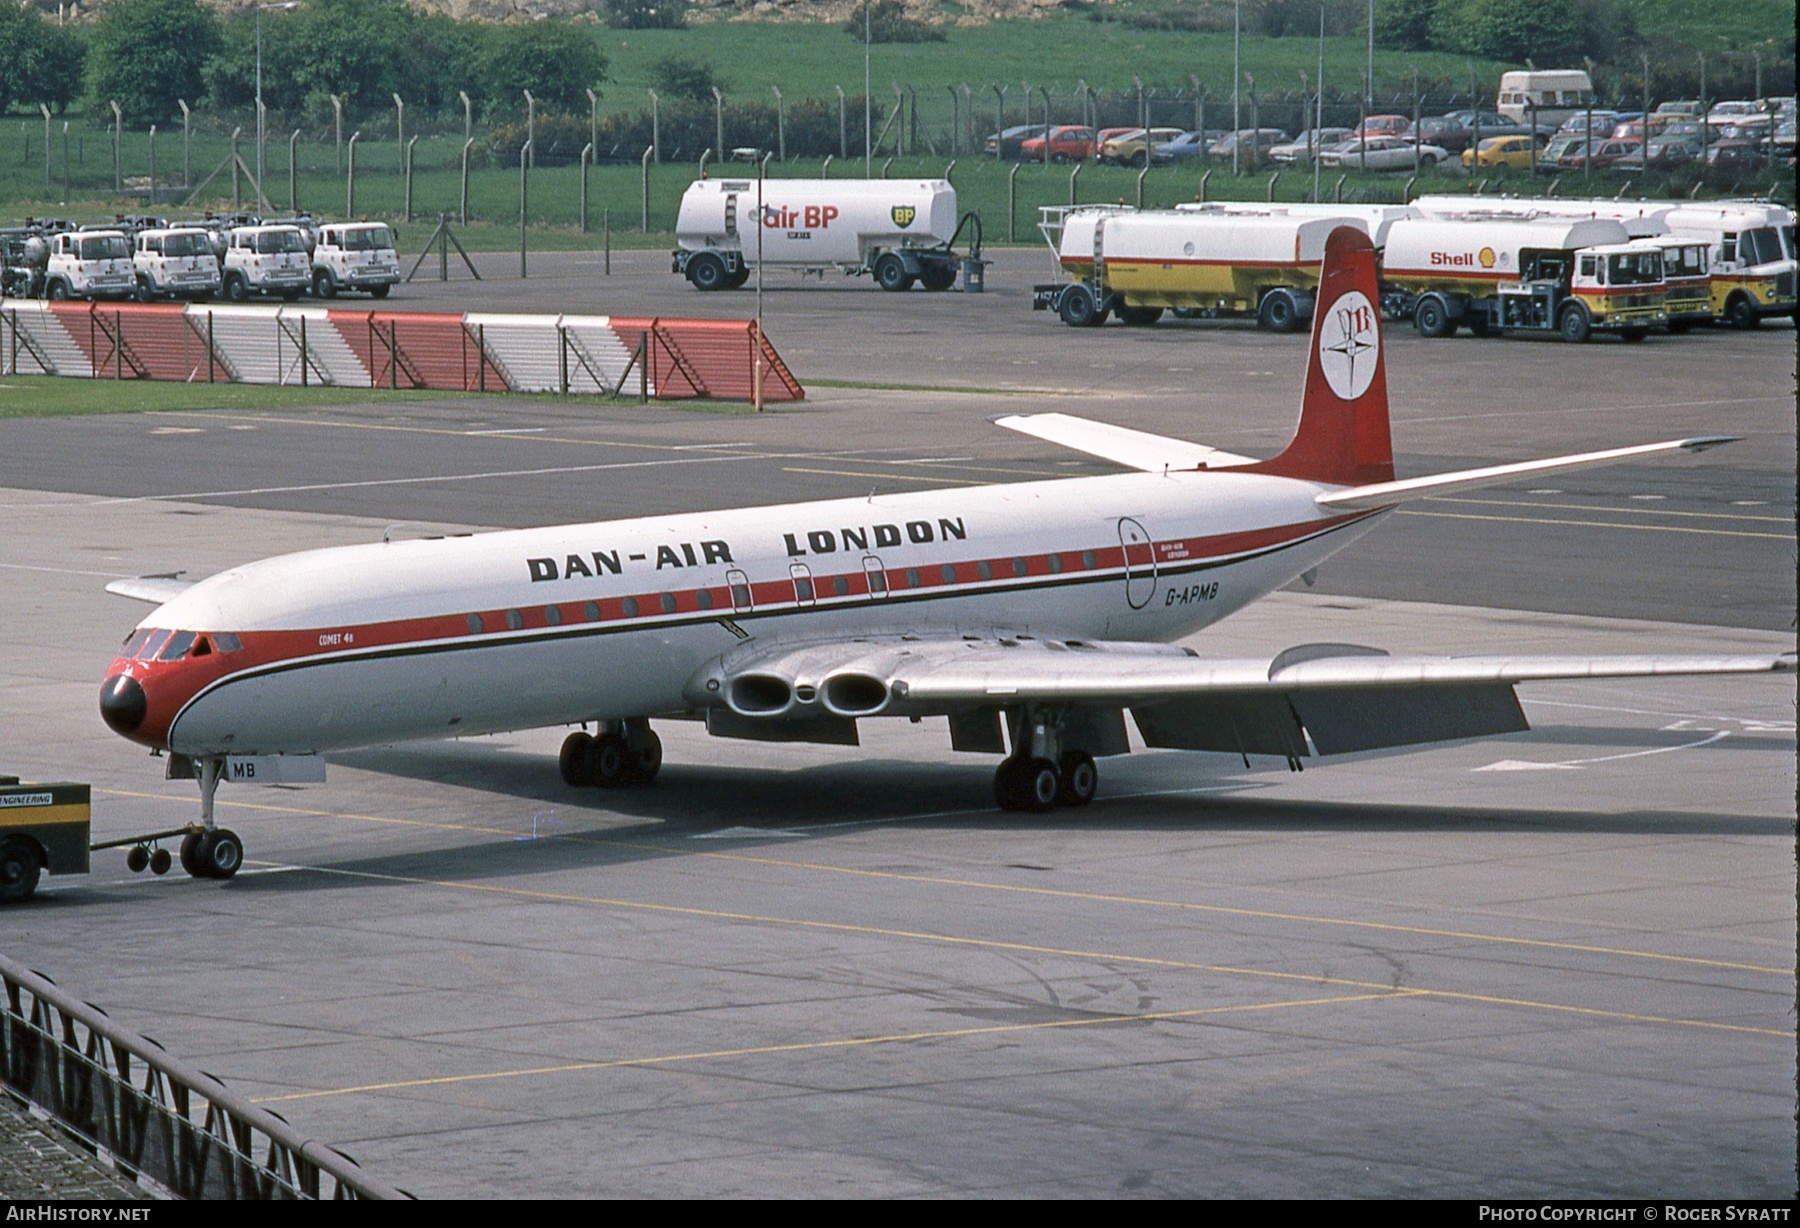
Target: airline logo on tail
[(1350, 346)]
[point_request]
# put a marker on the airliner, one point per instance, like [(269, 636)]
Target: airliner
[(1034, 616)]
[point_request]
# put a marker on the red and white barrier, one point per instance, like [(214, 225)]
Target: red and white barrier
[(669, 359)]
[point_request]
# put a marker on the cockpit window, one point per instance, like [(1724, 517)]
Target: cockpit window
[(134, 641), (151, 646), (225, 641), (177, 647)]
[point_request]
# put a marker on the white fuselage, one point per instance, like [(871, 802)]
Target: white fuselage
[(364, 645)]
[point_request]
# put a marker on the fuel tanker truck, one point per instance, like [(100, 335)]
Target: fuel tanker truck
[(1503, 272), (899, 230), (1201, 260)]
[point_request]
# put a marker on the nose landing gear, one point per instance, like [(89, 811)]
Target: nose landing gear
[(207, 850)]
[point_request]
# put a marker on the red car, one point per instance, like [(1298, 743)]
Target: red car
[(1068, 143), (1605, 153), (1383, 125)]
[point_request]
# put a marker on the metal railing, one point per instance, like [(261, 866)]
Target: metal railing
[(151, 1115)]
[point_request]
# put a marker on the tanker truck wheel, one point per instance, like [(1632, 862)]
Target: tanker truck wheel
[(708, 272), (1140, 317), (937, 276), (1432, 319), (1573, 323), (891, 274), (1279, 312), (740, 277), (1079, 308)]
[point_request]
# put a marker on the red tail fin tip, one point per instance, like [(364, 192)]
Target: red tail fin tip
[(1343, 434)]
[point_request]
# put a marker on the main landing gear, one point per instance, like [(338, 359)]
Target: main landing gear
[(617, 753), (207, 850), (1042, 773)]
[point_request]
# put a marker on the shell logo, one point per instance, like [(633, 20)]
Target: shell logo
[(1486, 257)]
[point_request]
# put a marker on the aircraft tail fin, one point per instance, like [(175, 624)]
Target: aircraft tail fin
[(1343, 434)]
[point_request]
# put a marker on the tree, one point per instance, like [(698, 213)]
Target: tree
[(888, 23), (1404, 25), (1549, 31), (645, 14), (557, 61), (39, 62), (683, 76), (146, 54)]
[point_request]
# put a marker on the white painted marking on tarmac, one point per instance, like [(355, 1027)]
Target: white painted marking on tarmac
[(1648, 497), (511, 430), (1749, 503), (1748, 723), (706, 447), (1526, 765), (1544, 490), (748, 833), (177, 430)]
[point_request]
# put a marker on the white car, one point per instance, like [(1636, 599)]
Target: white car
[(1383, 153), (1300, 149)]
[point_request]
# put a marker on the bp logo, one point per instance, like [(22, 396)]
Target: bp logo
[(1349, 345), (903, 215)]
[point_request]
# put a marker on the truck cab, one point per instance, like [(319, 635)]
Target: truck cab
[(1621, 287), (90, 264), (175, 263), (1751, 249), (1687, 277), (266, 260), (355, 256)]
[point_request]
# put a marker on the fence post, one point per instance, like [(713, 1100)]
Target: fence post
[(593, 117), (303, 382), (780, 125), (999, 116), (65, 199), (655, 127), (468, 116), (586, 152), (531, 127), (955, 123), (606, 230), (525, 159), (1074, 174), (350, 181), (118, 146), (237, 201), (294, 172), (1012, 204), (843, 131), (337, 119), (211, 348), (825, 168), (1140, 178), (468, 144), (719, 122), (648, 150), (153, 168), (46, 111)]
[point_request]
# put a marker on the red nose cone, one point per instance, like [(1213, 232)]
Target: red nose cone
[(123, 703)]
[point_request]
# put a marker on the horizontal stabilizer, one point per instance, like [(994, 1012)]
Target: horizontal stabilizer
[(1121, 445), (154, 589), (1385, 494)]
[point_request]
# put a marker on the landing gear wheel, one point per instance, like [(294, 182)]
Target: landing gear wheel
[(217, 854), (1573, 323), (572, 760), (891, 274), (160, 861), (1079, 307), (19, 869), (608, 762), (1140, 317), (1432, 319), (1039, 785), (937, 276), (137, 859), (1080, 779), (647, 758), (190, 860), (707, 272)]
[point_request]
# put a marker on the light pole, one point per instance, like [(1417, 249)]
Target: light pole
[(284, 4)]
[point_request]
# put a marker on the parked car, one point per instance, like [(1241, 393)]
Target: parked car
[(1606, 153), (1187, 145), (1734, 110), (1302, 147), (1680, 108), (1255, 144), (1682, 141), (1491, 121), (1385, 153), (1382, 125), (1008, 141), (1736, 155), (1068, 143), (1513, 151), (1128, 147), (1603, 124)]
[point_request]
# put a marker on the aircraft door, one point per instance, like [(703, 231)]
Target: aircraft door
[(876, 574), (1140, 563), (803, 585), (739, 583)]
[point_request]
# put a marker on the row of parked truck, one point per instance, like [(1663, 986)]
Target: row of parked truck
[(238, 258), (1491, 264)]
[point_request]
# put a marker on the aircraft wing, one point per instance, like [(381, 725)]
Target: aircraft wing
[(154, 589), (1121, 445), (1331, 697)]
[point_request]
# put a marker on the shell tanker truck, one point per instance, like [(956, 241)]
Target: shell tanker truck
[(899, 231), (1209, 260), (1505, 273)]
